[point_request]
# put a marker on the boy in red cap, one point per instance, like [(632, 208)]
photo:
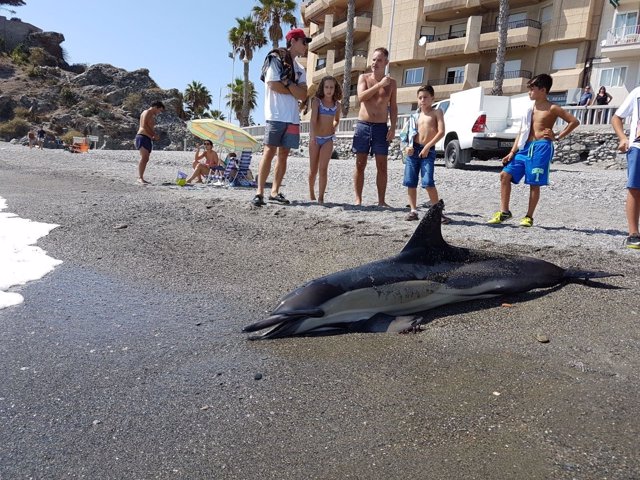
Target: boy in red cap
[(285, 83)]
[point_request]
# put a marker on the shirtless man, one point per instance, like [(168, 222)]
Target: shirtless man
[(532, 150), (145, 136), (417, 140), (377, 95)]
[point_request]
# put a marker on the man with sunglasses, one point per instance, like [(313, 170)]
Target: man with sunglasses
[(285, 84)]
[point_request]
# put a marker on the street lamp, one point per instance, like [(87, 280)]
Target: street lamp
[(233, 67)]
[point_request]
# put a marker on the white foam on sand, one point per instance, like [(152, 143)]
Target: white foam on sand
[(20, 260)]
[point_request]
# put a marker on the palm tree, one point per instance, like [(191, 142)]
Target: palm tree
[(503, 17), (197, 98), (235, 97), (12, 3), (348, 57), (215, 114), (273, 13), (246, 37)]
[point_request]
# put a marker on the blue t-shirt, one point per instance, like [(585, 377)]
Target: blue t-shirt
[(585, 98)]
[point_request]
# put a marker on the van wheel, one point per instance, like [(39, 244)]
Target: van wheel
[(454, 156)]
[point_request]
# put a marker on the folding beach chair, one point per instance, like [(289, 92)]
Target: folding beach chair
[(243, 177)]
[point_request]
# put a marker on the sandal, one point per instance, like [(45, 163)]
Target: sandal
[(411, 216)]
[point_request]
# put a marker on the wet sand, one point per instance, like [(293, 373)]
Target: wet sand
[(128, 361)]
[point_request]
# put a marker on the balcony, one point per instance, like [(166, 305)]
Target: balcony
[(313, 10), (447, 44), (444, 87), (515, 81), (521, 33), (358, 63), (622, 42), (327, 36)]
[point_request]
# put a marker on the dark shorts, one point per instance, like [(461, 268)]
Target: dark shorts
[(281, 134), (415, 167), (532, 162), (633, 168), (142, 141), (370, 138)]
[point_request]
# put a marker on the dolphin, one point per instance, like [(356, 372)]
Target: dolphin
[(385, 295)]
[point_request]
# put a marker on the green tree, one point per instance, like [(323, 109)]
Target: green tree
[(215, 114), (272, 14), (348, 57), (235, 97), (503, 17), (246, 37), (13, 3), (197, 98)]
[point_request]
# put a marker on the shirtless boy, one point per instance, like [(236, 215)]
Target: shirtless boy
[(145, 136), (417, 140), (533, 150), (377, 95)]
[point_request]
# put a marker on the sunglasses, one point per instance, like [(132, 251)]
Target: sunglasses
[(208, 143)]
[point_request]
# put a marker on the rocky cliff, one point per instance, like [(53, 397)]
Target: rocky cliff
[(39, 88)]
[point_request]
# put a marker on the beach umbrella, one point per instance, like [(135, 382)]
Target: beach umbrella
[(222, 133)]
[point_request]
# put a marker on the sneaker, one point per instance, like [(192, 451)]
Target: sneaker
[(632, 241), (500, 217), (279, 198), (258, 201), (526, 222), (411, 216)]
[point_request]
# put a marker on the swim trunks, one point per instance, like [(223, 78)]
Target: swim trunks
[(532, 162), (370, 138), (414, 166), (322, 140), (633, 168), (281, 134), (142, 141)]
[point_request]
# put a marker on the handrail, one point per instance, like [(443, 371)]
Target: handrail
[(509, 74), (511, 25), (445, 36)]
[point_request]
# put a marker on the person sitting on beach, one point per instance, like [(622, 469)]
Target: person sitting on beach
[(532, 151), (418, 139), (325, 117), (204, 161)]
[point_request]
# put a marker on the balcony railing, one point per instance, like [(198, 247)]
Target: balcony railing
[(507, 75), (511, 25), (446, 81), (338, 21), (623, 36), (445, 36)]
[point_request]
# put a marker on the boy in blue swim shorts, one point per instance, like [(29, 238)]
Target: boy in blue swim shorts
[(418, 138), (532, 150), (630, 107)]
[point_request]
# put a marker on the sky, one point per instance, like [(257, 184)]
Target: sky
[(21, 260), (178, 42)]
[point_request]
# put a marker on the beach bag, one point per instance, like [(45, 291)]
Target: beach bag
[(181, 179), (283, 56)]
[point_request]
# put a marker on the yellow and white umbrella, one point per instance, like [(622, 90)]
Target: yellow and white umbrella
[(222, 133)]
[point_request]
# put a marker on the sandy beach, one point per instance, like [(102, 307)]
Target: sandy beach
[(128, 361)]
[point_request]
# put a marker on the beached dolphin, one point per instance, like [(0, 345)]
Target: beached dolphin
[(384, 295)]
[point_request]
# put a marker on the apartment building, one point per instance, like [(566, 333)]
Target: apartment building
[(616, 63), (451, 44)]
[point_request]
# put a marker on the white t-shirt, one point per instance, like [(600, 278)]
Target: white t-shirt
[(282, 107), (631, 107)]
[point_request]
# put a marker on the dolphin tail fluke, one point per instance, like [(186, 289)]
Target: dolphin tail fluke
[(575, 274)]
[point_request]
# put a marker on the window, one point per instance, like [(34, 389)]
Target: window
[(509, 66), (455, 75), (517, 20), (429, 32), (413, 76), (626, 23), (443, 105), (565, 58), (321, 63), (458, 30), (613, 77), (559, 98), (546, 14)]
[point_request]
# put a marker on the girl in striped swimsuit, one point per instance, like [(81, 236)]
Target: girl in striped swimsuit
[(325, 116)]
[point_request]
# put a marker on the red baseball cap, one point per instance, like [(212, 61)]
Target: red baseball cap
[(297, 33)]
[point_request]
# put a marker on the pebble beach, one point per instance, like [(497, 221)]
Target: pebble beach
[(128, 360)]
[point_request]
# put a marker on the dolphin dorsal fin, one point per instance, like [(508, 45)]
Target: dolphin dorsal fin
[(429, 231)]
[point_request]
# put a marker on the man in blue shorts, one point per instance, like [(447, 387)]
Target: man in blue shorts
[(145, 136), (285, 83), (533, 149), (377, 95), (630, 107)]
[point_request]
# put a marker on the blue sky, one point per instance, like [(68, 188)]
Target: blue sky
[(178, 42)]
